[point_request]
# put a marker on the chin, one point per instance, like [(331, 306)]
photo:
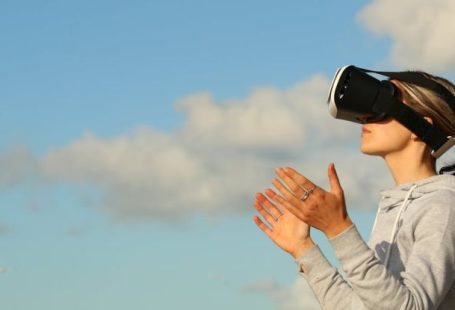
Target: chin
[(365, 149)]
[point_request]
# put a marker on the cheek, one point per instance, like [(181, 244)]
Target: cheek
[(390, 135), (385, 139), (391, 131), (398, 135)]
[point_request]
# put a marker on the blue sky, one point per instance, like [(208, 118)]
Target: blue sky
[(135, 134)]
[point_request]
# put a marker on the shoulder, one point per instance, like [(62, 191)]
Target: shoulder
[(439, 194), (434, 212), (440, 202), (443, 197)]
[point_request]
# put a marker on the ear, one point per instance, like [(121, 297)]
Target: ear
[(428, 119)]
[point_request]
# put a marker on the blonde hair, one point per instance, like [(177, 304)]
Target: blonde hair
[(429, 103)]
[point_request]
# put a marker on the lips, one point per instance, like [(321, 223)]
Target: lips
[(365, 130)]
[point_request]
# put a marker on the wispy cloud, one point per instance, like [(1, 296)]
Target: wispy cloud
[(17, 165), (420, 31), (221, 155), (4, 270), (3, 229)]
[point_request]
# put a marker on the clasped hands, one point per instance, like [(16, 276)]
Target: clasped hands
[(296, 205)]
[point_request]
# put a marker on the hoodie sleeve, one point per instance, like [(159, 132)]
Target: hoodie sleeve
[(329, 287), (429, 271)]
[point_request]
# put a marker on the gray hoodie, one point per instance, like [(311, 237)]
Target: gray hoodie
[(409, 262)]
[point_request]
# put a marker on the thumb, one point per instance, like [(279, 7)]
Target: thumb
[(335, 185)]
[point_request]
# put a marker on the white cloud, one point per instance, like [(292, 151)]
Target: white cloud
[(268, 118), (293, 297), (421, 31), (222, 154)]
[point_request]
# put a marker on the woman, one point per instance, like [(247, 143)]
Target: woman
[(409, 262)]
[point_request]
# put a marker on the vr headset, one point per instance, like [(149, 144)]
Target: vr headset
[(358, 97)]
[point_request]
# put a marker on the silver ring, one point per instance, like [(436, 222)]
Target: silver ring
[(306, 193)]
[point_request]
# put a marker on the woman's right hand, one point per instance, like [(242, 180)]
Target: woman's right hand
[(284, 229)]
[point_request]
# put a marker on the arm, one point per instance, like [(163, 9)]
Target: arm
[(292, 235), (329, 287), (428, 275), (430, 268)]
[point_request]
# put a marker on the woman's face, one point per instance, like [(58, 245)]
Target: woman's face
[(384, 137)]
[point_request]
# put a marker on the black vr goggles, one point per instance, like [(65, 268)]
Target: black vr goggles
[(358, 97)]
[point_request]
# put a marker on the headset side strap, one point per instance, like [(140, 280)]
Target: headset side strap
[(430, 134), (444, 148), (419, 80)]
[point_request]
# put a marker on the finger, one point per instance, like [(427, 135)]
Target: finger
[(290, 183), (335, 185), (269, 207), (265, 214), (290, 196), (272, 196), (298, 178), (286, 205), (263, 226), (303, 192), (267, 217)]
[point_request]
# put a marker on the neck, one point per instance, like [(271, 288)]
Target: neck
[(410, 167)]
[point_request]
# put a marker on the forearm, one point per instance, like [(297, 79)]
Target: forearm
[(329, 287), (302, 249), (374, 284)]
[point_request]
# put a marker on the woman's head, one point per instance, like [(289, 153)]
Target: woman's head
[(385, 137), (428, 103)]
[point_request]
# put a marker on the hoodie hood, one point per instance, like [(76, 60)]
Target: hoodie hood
[(393, 207), (394, 197)]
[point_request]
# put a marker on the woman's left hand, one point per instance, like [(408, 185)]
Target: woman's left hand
[(281, 226), (321, 209)]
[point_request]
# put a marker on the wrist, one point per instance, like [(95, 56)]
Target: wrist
[(335, 230), (304, 247)]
